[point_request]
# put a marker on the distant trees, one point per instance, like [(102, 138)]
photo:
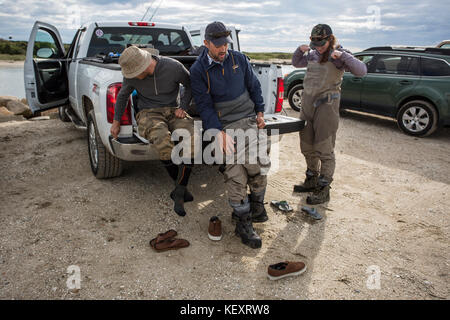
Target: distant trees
[(20, 47), (13, 47)]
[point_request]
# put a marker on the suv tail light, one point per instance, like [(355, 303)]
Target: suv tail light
[(280, 95), (111, 97)]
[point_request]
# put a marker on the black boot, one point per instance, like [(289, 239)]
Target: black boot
[(257, 210), (259, 213), (178, 194), (244, 227), (172, 170), (310, 183), (322, 193)]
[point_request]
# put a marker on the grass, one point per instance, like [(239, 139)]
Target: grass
[(269, 55), (13, 57)]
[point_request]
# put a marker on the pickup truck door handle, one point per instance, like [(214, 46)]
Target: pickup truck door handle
[(405, 82), (356, 79)]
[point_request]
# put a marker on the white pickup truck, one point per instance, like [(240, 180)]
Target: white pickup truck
[(84, 82)]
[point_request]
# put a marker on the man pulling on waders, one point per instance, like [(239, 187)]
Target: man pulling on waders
[(228, 96)]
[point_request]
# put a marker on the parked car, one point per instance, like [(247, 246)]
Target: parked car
[(411, 85), (84, 82), (444, 44)]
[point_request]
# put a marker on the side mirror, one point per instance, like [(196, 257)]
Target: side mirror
[(45, 53)]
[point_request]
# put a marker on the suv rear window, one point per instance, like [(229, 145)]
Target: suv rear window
[(390, 64), (435, 68), (115, 40)]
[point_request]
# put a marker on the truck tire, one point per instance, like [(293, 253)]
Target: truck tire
[(417, 118), (295, 97), (103, 164), (62, 114)]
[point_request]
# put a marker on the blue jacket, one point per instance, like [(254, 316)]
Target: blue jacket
[(216, 83)]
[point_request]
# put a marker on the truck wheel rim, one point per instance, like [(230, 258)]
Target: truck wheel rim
[(416, 119), (297, 98), (93, 145)]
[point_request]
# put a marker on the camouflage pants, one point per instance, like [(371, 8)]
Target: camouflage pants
[(238, 176), (157, 124)]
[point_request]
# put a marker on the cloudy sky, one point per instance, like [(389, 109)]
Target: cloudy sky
[(266, 25)]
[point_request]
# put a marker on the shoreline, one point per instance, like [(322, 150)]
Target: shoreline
[(11, 63)]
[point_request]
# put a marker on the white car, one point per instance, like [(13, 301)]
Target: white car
[(84, 82)]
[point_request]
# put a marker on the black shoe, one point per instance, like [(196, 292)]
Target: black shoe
[(178, 195), (244, 229)]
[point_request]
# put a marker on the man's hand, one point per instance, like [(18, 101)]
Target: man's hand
[(336, 54), (115, 129), (226, 143), (304, 47), (260, 120), (180, 113)]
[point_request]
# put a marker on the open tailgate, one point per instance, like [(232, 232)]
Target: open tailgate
[(283, 124)]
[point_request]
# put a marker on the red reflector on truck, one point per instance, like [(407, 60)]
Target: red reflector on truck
[(280, 95), (111, 98), (141, 24)]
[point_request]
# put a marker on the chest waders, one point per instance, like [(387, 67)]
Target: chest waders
[(320, 108), (239, 113)]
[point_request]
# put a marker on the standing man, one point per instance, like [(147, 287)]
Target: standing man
[(157, 81), (228, 96), (326, 62)]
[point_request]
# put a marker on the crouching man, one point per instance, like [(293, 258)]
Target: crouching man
[(157, 81)]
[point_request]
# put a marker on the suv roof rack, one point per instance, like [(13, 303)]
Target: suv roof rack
[(430, 50)]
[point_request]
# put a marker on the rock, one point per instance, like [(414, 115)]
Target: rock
[(5, 99), (18, 108), (5, 112), (24, 101), (40, 118)]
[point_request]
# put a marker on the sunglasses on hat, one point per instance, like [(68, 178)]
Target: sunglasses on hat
[(317, 39), (217, 35)]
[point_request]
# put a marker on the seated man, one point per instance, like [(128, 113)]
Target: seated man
[(157, 80), (228, 96)]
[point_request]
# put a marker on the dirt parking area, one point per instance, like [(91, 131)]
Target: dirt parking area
[(389, 213)]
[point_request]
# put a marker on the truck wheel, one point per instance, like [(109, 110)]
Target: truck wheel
[(62, 114), (417, 118), (295, 97), (103, 164)]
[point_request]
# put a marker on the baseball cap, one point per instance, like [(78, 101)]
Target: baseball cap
[(217, 33), (319, 35)]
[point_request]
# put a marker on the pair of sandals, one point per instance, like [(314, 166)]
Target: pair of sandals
[(167, 241)]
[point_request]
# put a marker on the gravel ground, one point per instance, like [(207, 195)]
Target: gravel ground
[(388, 212)]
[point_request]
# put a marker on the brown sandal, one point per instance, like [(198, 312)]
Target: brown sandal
[(170, 244), (162, 237)]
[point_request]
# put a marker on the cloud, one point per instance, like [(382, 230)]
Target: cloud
[(265, 25)]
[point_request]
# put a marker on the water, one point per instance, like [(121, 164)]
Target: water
[(11, 81)]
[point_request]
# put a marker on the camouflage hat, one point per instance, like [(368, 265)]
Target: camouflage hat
[(319, 35)]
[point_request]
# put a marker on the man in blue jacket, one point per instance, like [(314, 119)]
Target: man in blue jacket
[(228, 96)]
